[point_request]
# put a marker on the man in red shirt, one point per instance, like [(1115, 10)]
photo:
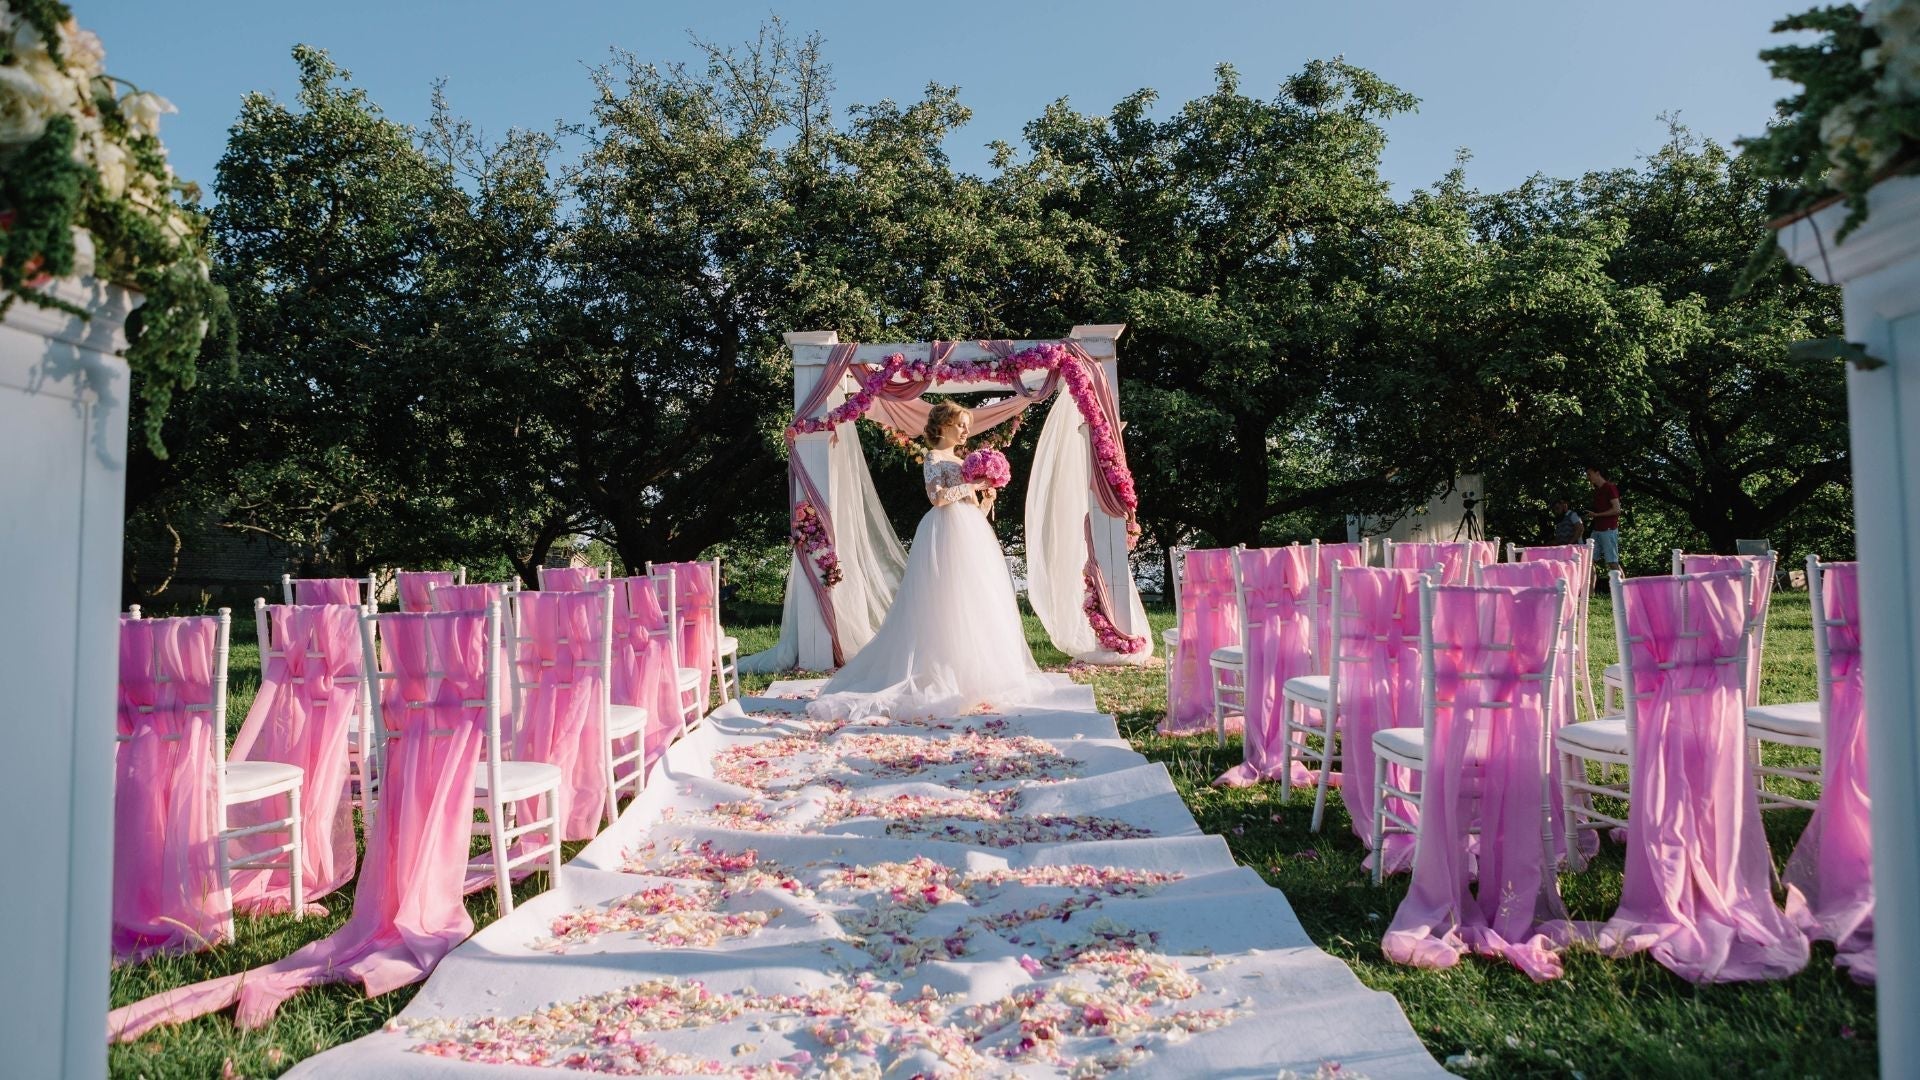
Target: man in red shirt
[(1603, 521)]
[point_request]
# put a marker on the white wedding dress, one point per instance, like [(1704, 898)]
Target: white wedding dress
[(953, 640)]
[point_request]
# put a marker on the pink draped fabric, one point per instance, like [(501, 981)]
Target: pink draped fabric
[(1456, 558), (305, 714), (470, 599), (1377, 643), (697, 606), (407, 910), (166, 812), (1830, 876), (1277, 588), (1697, 889), (560, 718), (1544, 574), (1209, 619), (1757, 603), (1483, 794), (568, 578), (1578, 553), (416, 587), (1331, 558), (643, 661), (340, 590)]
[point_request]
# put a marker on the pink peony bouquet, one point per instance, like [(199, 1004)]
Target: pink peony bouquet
[(988, 466)]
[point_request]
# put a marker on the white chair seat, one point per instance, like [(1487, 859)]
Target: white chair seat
[(249, 780), (1230, 654), (519, 779), (1317, 689), (689, 680), (729, 645), (1796, 719), (1614, 674), (1402, 745), (1607, 735), (1171, 637), (625, 719)]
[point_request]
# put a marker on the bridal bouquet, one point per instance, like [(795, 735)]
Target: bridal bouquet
[(986, 466)]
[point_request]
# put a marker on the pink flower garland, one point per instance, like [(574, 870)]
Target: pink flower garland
[(809, 537)]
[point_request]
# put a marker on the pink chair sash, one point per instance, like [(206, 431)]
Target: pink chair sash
[(1486, 769), (306, 711), (1209, 620), (1332, 558), (643, 662), (568, 578), (166, 812), (1757, 603), (1277, 587), (342, 590), (407, 910), (1456, 558), (470, 599), (560, 719), (1542, 573), (416, 586), (1830, 876), (698, 610), (1697, 890), (1377, 643)]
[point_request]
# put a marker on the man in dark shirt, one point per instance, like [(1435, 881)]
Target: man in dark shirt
[(1567, 526), (1603, 521)]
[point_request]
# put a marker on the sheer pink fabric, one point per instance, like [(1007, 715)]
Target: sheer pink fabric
[(1456, 558), (1209, 620), (166, 810), (1377, 643), (407, 910), (1830, 876), (698, 609), (416, 586), (1332, 557), (1697, 890), (1277, 588), (1578, 553), (1486, 771), (561, 718), (1756, 604), (305, 714), (339, 590), (469, 599), (567, 578), (1539, 573), (643, 662)]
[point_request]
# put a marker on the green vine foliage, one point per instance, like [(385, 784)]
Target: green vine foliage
[(145, 234), (1842, 133)]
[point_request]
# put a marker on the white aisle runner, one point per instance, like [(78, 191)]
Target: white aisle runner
[(976, 896)]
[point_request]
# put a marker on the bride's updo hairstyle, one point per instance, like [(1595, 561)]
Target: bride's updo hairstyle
[(944, 415)]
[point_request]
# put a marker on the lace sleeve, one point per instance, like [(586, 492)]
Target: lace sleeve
[(944, 484)]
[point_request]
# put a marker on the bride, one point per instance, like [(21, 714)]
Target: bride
[(953, 640)]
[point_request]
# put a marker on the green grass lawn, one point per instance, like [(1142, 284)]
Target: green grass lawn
[(1606, 1018)]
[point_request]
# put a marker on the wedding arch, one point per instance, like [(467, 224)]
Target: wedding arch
[(1080, 520)]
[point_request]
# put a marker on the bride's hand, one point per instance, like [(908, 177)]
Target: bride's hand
[(987, 497)]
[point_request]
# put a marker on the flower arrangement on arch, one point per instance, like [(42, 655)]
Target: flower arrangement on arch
[(85, 189), (810, 538)]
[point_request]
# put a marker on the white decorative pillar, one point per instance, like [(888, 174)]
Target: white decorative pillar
[(1878, 268), (1110, 533), (63, 456), (811, 351)]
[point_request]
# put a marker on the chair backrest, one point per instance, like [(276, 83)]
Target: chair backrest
[(1684, 648), (173, 675), (1177, 568), (469, 599), (1327, 561), (1567, 575), (552, 635), (415, 587), (282, 658), (434, 676), (1208, 618), (1376, 630), (1273, 588), (1834, 596), (1753, 547), (696, 595), (571, 578), (354, 591), (1758, 601), (1456, 558), (1492, 652)]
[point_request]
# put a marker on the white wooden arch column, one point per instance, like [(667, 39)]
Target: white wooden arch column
[(811, 351)]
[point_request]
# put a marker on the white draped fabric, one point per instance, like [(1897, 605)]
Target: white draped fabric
[(871, 560), (1058, 500)]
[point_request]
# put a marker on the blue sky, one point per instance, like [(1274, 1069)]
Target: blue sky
[(1554, 86)]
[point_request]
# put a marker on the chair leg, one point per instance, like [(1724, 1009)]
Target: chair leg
[(553, 840), (1379, 818), (496, 831), (297, 858), (1326, 768), (1570, 818)]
